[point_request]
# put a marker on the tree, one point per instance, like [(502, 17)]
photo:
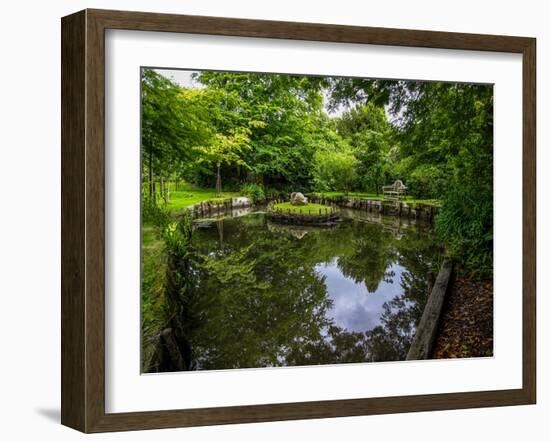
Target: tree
[(444, 133), (335, 169), (173, 122), (367, 130), (226, 149), (447, 131), (291, 108)]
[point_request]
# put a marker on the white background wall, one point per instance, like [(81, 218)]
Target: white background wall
[(30, 217)]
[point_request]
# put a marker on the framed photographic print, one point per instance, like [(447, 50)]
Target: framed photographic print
[(267, 220)]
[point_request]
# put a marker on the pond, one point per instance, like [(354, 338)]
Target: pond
[(263, 295)]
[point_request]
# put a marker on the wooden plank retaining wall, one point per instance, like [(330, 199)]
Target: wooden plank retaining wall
[(207, 208), (425, 212)]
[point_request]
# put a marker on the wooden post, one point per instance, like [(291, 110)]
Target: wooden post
[(421, 346), (430, 279), (172, 348)]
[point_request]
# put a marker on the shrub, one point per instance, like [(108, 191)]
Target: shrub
[(153, 213), (177, 235), (274, 194), (465, 224), (426, 181), (335, 170), (254, 191)]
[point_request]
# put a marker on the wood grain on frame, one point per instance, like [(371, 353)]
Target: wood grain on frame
[(83, 219), (73, 251)]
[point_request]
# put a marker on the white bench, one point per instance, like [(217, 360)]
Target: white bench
[(395, 191)]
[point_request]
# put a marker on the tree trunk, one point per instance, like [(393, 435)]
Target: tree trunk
[(151, 184), (218, 182), (220, 230), (163, 193)]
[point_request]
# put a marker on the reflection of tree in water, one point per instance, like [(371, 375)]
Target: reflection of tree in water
[(370, 257), (391, 340), (254, 298)]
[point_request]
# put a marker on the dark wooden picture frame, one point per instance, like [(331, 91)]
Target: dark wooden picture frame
[(83, 220)]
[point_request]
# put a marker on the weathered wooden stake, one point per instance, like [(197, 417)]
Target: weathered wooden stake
[(422, 344)]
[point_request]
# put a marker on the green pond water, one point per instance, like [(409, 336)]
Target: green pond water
[(267, 295)]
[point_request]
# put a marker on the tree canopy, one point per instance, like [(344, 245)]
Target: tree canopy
[(314, 134)]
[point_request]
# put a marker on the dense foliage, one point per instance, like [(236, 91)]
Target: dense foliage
[(296, 133), (443, 149)]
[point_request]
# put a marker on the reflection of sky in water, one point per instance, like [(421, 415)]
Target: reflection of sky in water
[(354, 307)]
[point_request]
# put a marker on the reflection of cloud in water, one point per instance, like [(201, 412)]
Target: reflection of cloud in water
[(354, 307)]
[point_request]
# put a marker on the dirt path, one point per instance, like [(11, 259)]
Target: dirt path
[(466, 325)]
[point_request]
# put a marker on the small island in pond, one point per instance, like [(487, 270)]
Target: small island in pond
[(299, 211)]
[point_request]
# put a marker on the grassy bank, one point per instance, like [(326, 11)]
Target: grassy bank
[(374, 197), (187, 195), (153, 273), (310, 208), (182, 199)]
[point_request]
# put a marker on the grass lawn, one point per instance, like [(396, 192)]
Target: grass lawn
[(370, 196), (305, 210), (187, 195), (181, 199)]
